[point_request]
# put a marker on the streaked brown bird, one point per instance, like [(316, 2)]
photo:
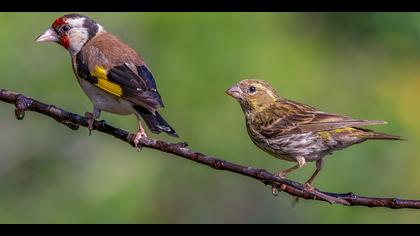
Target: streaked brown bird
[(297, 132), (112, 74)]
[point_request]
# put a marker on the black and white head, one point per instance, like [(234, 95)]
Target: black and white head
[(71, 31)]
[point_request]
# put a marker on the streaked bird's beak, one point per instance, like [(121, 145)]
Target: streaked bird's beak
[(234, 92), (48, 36)]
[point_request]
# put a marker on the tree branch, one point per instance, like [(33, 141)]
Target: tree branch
[(74, 121)]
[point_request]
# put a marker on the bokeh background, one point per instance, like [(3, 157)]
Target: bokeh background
[(365, 65)]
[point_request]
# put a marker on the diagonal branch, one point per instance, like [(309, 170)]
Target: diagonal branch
[(74, 121)]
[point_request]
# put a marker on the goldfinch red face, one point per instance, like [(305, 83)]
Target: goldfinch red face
[(71, 31)]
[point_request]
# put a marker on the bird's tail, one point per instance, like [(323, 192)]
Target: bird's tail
[(370, 134), (156, 123)]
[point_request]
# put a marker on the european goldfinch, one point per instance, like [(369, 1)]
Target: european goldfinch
[(113, 75), (297, 132)]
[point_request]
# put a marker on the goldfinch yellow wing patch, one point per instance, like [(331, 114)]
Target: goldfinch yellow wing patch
[(104, 83)]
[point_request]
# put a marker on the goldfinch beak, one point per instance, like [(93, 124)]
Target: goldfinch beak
[(48, 36), (234, 92)]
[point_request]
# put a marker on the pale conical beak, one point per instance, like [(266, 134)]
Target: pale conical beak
[(235, 92), (48, 36)]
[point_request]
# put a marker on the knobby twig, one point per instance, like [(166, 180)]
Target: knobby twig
[(73, 121)]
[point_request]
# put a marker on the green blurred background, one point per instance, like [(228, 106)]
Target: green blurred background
[(359, 64)]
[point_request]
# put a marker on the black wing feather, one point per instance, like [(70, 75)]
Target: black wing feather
[(125, 77), (135, 87), (147, 75)]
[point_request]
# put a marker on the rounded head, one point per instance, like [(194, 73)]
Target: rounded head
[(252, 93), (71, 31)]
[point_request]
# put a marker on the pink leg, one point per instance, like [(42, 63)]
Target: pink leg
[(282, 174), (319, 165), (300, 162), (90, 120), (139, 135)]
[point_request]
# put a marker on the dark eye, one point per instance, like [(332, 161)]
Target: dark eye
[(252, 89), (65, 28)]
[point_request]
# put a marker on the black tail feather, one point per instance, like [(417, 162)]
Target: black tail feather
[(156, 123)]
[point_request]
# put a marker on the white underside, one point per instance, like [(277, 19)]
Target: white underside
[(105, 101)]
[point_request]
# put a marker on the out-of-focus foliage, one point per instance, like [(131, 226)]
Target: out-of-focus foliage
[(362, 65)]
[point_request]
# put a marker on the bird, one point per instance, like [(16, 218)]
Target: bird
[(297, 132), (114, 77)]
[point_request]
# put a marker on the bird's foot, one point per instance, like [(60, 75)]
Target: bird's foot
[(139, 135), (308, 187), (281, 174), (274, 189), (90, 120)]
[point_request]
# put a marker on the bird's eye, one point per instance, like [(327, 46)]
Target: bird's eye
[(65, 28), (252, 89)]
